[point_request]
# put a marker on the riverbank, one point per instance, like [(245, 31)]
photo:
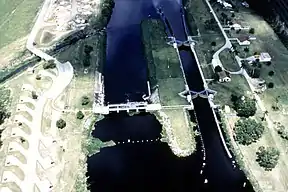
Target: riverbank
[(261, 179)]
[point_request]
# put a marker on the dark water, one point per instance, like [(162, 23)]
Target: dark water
[(152, 166)]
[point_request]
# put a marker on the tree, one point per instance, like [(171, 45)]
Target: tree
[(85, 100), (34, 95), (88, 49), (246, 49), (270, 85), (213, 43), (80, 115), (244, 106), (252, 31), (60, 123), (218, 69), (271, 73), (86, 61), (233, 15), (248, 131), (49, 64), (267, 157), (256, 73)]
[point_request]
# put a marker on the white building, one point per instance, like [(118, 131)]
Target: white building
[(264, 57), (227, 5)]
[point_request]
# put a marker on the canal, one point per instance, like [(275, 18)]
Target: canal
[(151, 166)]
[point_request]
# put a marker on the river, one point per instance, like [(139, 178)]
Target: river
[(151, 166)]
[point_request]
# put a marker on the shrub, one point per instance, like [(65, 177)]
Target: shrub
[(267, 157), (268, 63), (218, 69), (270, 85), (213, 43), (80, 115), (283, 132), (34, 95), (246, 49), (248, 131), (61, 123), (245, 107), (49, 64), (271, 73), (85, 100), (38, 77)]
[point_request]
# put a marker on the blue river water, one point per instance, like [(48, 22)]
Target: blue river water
[(151, 166)]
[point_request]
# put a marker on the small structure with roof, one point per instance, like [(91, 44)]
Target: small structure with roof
[(264, 57), (218, 69), (243, 40)]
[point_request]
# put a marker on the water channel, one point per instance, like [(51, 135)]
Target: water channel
[(151, 166)]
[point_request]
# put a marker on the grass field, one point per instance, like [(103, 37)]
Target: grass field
[(238, 85), (16, 19), (163, 63), (201, 13)]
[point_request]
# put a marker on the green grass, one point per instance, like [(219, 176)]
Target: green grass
[(228, 61), (237, 85), (16, 19), (83, 84), (163, 63)]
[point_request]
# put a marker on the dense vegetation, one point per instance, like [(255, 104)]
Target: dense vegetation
[(4, 102), (87, 50), (267, 157), (248, 131), (101, 20), (244, 106)]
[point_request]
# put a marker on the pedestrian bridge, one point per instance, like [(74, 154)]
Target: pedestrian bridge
[(129, 106)]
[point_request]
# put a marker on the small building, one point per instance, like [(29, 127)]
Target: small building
[(227, 5), (236, 26), (245, 4), (252, 38), (243, 40)]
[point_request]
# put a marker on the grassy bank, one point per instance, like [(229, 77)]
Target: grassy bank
[(163, 63), (233, 147), (164, 71), (16, 19)]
